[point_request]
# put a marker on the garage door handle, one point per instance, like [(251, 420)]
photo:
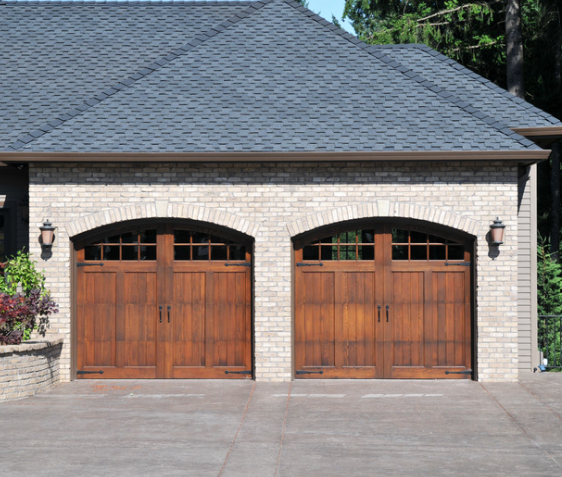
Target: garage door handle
[(160, 313), (379, 307), (169, 308), (387, 307)]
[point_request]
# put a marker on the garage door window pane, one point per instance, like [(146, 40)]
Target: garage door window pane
[(418, 252), (128, 246), (456, 252), (148, 236), (200, 252), (352, 245), (399, 252), (219, 253), (129, 238), (111, 252), (413, 245), (148, 252), (437, 252), (129, 253), (237, 252), (182, 253), (182, 236), (92, 252), (311, 252), (190, 245)]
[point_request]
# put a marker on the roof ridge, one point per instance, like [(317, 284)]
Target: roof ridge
[(481, 79), (442, 92), (133, 78)]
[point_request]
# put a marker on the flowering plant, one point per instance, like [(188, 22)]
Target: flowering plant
[(19, 315), (22, 311)]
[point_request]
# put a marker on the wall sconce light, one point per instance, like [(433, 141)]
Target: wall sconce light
[(47, 234), (496, 232)]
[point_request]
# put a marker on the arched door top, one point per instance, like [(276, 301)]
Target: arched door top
[(384, 209), (161, 210)]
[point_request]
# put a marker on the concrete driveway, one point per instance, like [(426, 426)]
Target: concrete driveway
[(304, 428)]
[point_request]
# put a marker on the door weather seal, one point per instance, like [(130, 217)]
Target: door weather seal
[(309, 372), (467, 371)]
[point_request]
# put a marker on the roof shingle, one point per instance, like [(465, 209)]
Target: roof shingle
[(225, 76)]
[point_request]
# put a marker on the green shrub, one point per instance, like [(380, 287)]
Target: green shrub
[(549, 290), (25, 304), (19, 271)]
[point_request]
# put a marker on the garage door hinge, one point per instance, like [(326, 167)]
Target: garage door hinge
[(309, 372), (463, 264), (300, 264), (466, 371), (89, 372), (89, 264), (237, 372)]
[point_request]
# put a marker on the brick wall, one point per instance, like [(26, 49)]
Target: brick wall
[(28, 368), (274, 202)]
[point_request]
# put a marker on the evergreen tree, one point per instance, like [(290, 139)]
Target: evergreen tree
[(469, 32), (502, 40)]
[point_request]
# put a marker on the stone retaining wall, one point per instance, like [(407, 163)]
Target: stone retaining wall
[(28, 368)]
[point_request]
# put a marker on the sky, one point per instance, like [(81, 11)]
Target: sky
[(328, 7)]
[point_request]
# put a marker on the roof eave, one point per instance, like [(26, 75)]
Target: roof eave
[(542, 136), (530, 156)]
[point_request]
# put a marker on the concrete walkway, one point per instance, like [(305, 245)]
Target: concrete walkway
[(304, 428)]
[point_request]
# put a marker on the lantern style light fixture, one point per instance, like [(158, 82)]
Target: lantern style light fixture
[(47, 234), (496, 232)]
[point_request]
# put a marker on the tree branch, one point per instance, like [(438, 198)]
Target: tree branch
[(475, 47), (453, 10)]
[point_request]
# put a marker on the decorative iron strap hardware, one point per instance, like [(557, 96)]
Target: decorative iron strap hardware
[(466, 371), (237, 264), (300, 264), (310, 372), (89, 264), (463, 264), (89, 372), (237, 372)]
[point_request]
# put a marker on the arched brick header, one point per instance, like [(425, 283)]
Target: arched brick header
[(161, 209), (383, 208)]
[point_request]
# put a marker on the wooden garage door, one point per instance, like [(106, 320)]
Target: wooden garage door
[(383, 302), (164, 302)]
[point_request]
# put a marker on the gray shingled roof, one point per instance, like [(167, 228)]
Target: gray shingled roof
[(225, 76), (469, 86), (54, 55)]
